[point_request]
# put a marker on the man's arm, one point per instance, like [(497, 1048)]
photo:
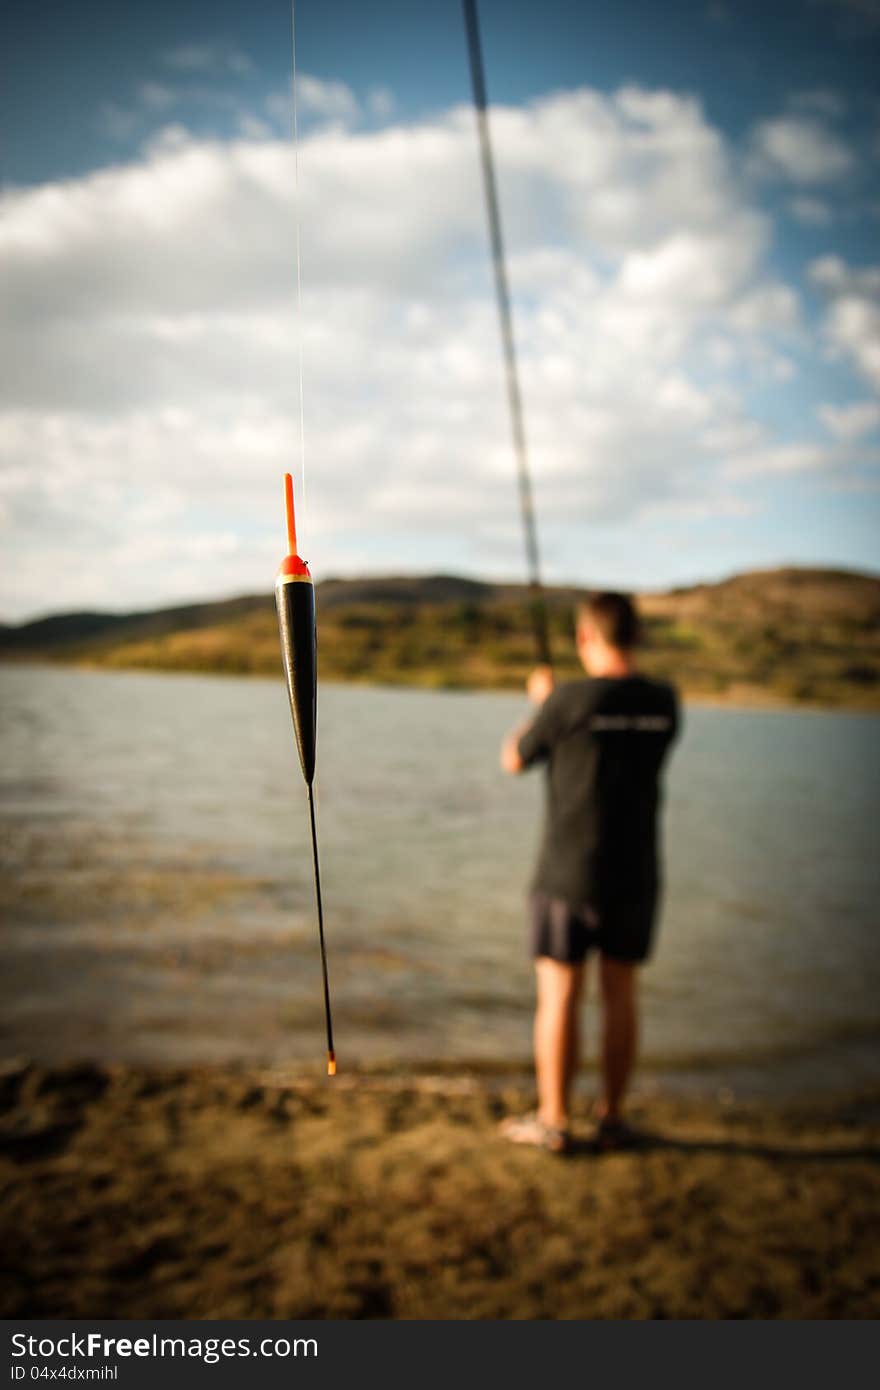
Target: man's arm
[(538, 687), (510, 759)]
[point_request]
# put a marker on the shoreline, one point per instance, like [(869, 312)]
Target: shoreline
[(206, 1192), (775, 1082), (754, 700)]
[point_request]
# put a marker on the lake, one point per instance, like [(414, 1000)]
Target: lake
[(157, 896)]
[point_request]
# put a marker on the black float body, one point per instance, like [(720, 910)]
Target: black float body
[(295, 601)]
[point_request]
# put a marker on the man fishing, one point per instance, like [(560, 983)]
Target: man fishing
[(596, 887)]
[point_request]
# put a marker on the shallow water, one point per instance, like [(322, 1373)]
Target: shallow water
[(157, 896)]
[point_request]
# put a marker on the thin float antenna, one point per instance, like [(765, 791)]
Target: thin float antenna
[(514, 397), (290, 514)]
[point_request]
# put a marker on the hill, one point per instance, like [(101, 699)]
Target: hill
[(785, 635)]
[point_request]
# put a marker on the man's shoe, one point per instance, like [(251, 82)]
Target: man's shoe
[(529, 1129)]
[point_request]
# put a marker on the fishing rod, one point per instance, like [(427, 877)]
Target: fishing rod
[(295, 601), (527, 507)]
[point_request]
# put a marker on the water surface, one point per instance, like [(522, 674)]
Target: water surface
[(157, 896)]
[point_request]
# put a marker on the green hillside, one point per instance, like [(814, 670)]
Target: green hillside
[(787, 635)]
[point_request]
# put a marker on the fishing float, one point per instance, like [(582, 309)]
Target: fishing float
[(295, 602)]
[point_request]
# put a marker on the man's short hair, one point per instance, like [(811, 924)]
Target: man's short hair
[(614, 616)]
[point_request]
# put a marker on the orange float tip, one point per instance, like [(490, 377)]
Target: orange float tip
[(292, 564), (291, 515), (331, 1063)]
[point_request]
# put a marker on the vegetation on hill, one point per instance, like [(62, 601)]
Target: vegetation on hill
[(787, 635)]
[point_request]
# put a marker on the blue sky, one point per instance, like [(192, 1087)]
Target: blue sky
[(691, 205)]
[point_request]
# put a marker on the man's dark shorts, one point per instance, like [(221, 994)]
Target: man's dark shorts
[(569, 935)]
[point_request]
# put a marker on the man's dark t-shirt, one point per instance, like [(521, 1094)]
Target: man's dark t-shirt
[(604, 741)]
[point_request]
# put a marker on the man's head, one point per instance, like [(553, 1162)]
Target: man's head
[(607, 631)]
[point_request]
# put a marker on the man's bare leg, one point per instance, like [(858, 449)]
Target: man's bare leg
[(556, 1036), (573, 1055), (619, 1032)]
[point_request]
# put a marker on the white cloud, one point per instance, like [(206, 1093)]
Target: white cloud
[(381, 102), (157, 96), (149, 405), (330, 105), (192, 89), (800, 149), (117, 122), (768, 306), (852, 323), (811, 212), (253, 128), (851, 421), (332, 101), (822, 101), (833, 274), (212, 58), (781, 459)]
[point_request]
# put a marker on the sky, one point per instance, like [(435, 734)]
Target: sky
[(691, 207)]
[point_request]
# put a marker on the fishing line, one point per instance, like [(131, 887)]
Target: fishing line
[(299, 319), (502, 293), (328, 1015)]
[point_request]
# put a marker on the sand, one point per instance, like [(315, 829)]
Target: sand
[(206, 1193)]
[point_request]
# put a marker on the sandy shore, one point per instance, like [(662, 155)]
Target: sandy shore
[(215, 1193)]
